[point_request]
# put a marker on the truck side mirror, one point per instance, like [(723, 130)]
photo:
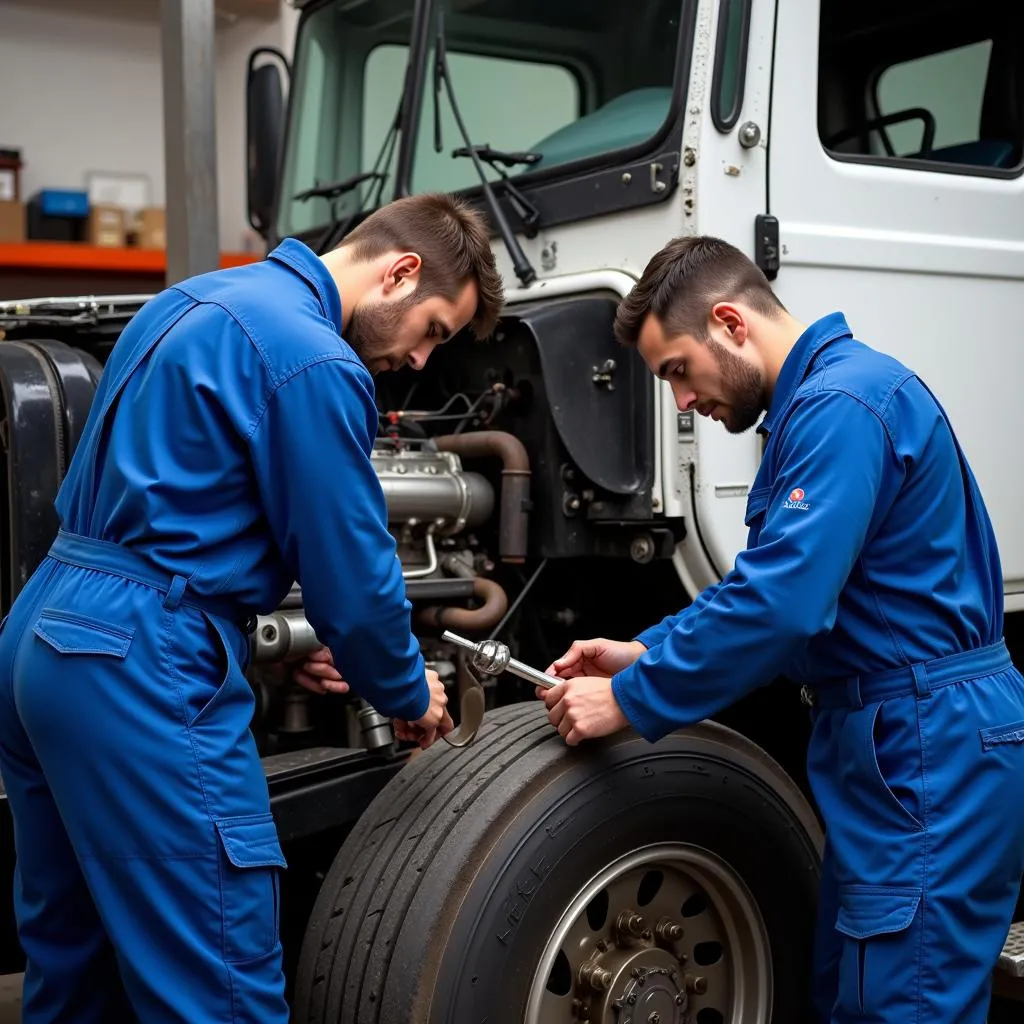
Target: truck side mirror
[(264, 102)]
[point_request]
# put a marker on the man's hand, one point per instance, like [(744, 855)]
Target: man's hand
[(435, 723), (597, 657), (583, 708), (317, 673)]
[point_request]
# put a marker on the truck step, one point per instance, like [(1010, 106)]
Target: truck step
[(1011, 960)]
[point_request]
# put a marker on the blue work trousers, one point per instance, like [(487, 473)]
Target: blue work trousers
[(147, 858), (921, 797)]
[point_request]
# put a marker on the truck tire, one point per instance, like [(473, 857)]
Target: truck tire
[(519, 880)]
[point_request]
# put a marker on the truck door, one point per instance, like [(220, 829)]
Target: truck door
[(724, 174), (895, 160)]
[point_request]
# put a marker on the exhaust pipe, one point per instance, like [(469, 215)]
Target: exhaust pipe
[(514, 521)]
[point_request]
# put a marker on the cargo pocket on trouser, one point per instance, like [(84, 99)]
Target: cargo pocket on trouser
[(250, 885), (879, 964)]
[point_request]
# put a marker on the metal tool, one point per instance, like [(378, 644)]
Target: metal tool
[(492, 657)]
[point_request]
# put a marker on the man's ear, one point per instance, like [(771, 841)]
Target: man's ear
[(402, 273), (731, 317)]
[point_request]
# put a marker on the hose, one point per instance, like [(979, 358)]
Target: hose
[(494, 599), (514, 520)]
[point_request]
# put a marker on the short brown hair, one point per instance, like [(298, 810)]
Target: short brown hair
[(452, 240), (684, 280)]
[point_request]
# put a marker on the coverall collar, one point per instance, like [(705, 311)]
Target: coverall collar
[(821, 333), (313, 271)]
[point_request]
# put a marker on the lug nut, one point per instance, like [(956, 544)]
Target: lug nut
[(629, 923), (698, 986), (668, 931), (595, 976)]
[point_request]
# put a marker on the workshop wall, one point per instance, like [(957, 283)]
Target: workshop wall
[(83, 92)]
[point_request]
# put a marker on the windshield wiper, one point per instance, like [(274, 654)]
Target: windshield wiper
[(337, 189), (498, 156), (337, 229), (524, 270), (528, 213)]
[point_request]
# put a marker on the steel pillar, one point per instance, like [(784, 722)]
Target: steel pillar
[(190, 141)]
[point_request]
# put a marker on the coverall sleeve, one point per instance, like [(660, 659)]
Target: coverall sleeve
[(783, 591), (327, 512), (653, 635)]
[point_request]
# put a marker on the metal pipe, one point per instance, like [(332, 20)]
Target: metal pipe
[(281, 636), (190, 137), (431, 566), (514, 522), (495, 601)]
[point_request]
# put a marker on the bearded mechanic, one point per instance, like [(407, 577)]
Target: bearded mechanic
[(871, 576), (226, 455)]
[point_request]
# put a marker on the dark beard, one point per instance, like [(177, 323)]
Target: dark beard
[(370, 332), (743, 385)]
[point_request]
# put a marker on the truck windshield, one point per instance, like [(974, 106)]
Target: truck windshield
[(561, 79)]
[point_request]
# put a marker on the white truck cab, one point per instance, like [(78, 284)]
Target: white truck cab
[(867, 155)]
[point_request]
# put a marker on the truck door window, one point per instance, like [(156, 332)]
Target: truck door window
[(949, 85), (730, 63), (935, 85)]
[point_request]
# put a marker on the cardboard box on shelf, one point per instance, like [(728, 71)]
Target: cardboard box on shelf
[(106, 225), (10, 174), (151, 228), (12, 221)]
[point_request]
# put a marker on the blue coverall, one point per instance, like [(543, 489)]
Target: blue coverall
[(226, 455), (872, 577)]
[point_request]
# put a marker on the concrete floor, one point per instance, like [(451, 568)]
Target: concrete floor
[(10, 999), (10, 1004)]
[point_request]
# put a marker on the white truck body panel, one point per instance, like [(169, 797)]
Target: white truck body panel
[(926, 266)]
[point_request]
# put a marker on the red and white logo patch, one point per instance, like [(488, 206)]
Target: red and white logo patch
[(796, 500)]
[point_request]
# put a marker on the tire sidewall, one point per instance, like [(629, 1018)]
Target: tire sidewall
[(598, 806)]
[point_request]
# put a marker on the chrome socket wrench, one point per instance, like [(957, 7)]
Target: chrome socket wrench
[(492, 657)]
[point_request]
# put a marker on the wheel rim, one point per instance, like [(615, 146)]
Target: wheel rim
[(667, 934)]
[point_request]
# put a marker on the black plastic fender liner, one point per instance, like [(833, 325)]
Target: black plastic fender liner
[(46, 390), (600, 392), (439, 904)]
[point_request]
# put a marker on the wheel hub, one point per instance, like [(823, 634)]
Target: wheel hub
[(632, 986), (664, 935), (652, 996)]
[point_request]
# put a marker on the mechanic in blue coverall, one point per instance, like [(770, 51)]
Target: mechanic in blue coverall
[(871, 576), (226, 455)]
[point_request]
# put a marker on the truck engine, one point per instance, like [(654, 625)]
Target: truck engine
[(435, 506)]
